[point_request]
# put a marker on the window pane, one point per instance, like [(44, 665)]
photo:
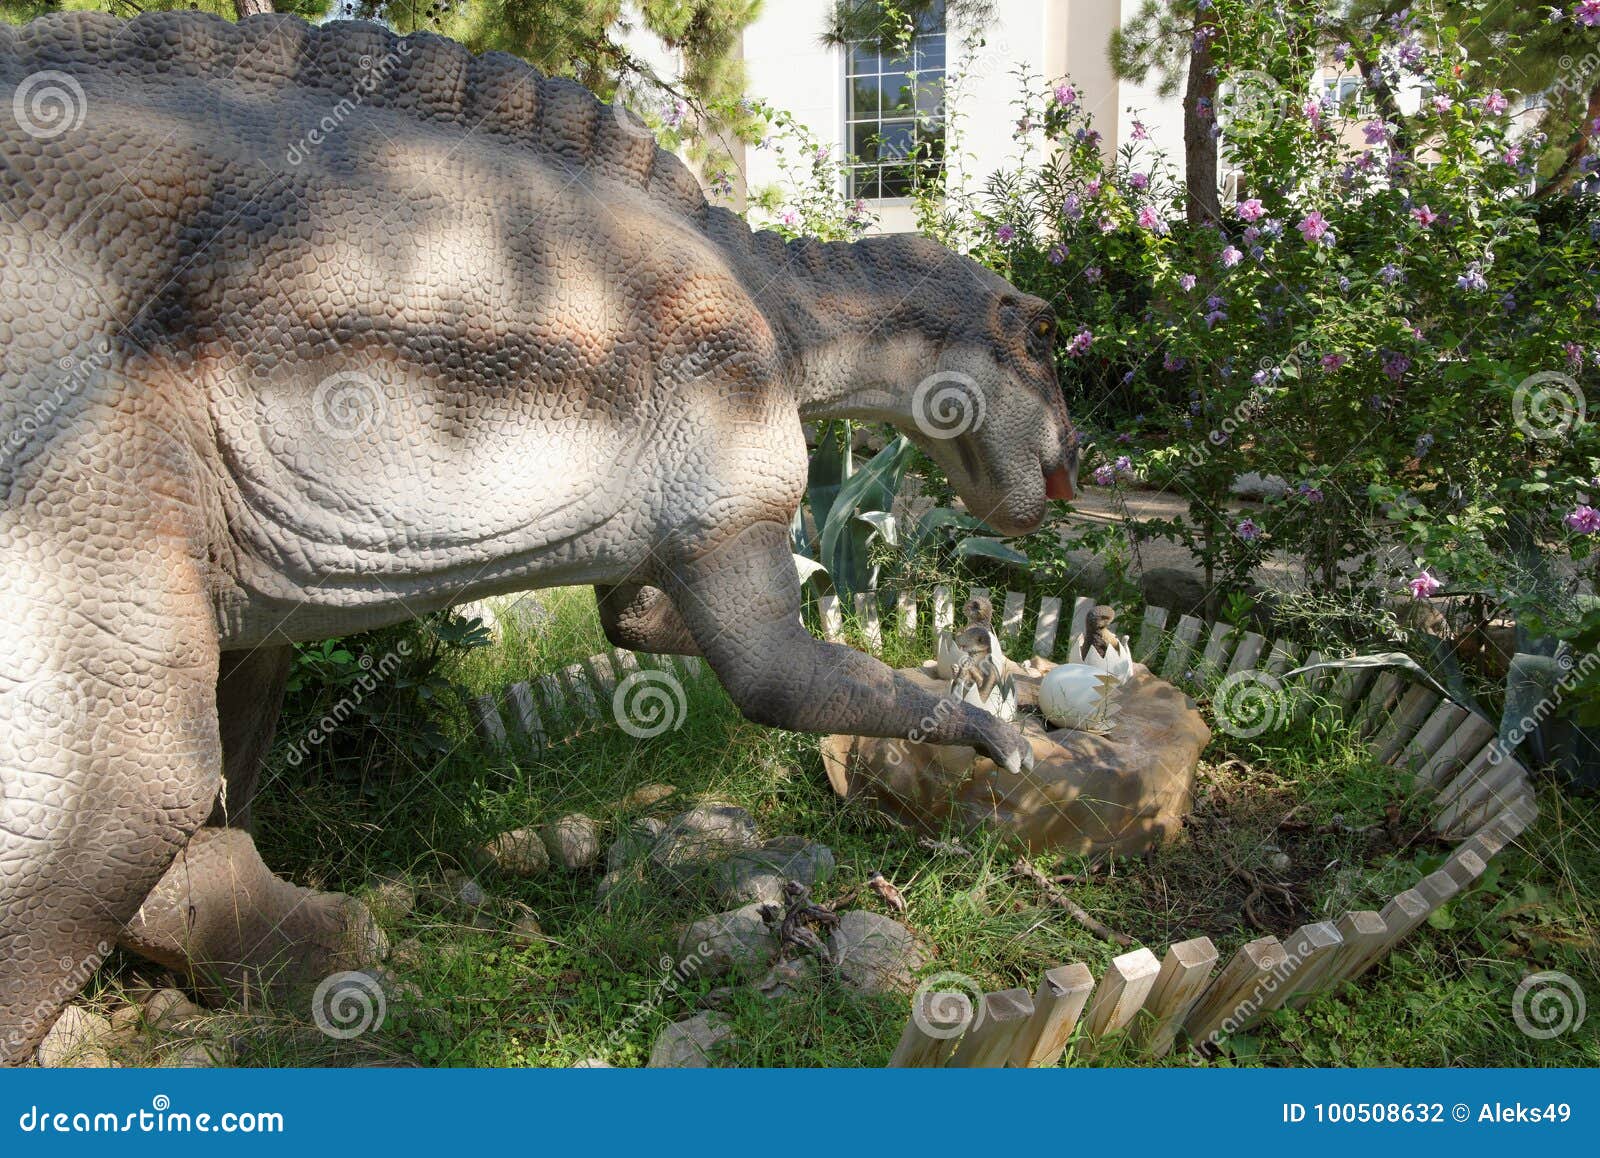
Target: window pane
[(897, 141), (863, 98), (933, 19), (930, 144), (864, 141), (930, 53), (864, 182), (863, 58), (929, 99), (896, 181), (897, 93)]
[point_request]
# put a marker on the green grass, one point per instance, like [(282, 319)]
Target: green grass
[(594, 986)]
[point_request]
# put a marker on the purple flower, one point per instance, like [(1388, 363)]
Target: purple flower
[(1093, 274), (1314, 226), (1424, 216), (1139, 133), (1376, 132), (1391, 273), (1344, 285), (1395, 366), (1186, 282), (1250, 209), (1124, 464), (1512, 155), (1213, 318), (1151, 220), (1066, 94), (1172, 363), (1057, 254), (1248, 530), (1472, 281), (1230, 257), (1080, 343), (1496, 103), (1411, 54), (1574, 354), (1423, 585), (1442, 103), (1213, 302), (1005, 233), (1584, 519), (1072, 207), (1093, 187), (1423, 445), (1331, 362), (1587, 13), (1309, 493), (1139, 180)]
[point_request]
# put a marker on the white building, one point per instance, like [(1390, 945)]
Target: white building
[(859, 104)]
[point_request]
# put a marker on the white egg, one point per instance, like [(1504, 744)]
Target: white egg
[(1072, 695)]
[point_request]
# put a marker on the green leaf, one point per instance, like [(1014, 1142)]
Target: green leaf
[(845, 535), (991, 549)]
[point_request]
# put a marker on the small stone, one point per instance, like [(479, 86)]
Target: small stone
[(701, 837), (691, 1043), (760, 874), (168, 1008), (592, 1063), (635, 843), (199, 1056), (76, 1041), (572, 841), (1253, 484), (408, 954), (526, 931), (1279, 861), (464, 890), (874, 954), (644, 796), (518, 853), (738, 939), (390, 896), (786, 978)]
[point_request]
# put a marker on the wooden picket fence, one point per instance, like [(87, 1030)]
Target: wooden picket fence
[(1481, 796)]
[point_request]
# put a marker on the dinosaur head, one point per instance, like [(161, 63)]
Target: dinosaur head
[(984, 403)]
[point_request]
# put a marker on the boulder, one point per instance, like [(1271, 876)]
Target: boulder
[(76, 1041), (520, 852), (786, 978), (644, 796), (699, 838), (736, 940), (169, 1008), (1125, 791), (573, 841), (1179, 591), (691, 1043), (634, 844), (759, 874), (873, 953), (1253, 484)]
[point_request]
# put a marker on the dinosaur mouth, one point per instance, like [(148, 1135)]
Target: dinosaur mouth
[(1058, 483)]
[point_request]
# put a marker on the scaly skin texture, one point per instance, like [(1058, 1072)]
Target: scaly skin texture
[(304, 331)]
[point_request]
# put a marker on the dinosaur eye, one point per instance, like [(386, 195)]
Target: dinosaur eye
[(1041, 328)]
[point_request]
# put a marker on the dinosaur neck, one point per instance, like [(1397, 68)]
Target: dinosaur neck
[(862, 324)]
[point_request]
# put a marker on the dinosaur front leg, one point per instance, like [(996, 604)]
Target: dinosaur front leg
[(641, 618), (740, 601)]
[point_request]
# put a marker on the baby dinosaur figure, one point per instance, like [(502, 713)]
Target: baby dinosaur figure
[(305, 330)]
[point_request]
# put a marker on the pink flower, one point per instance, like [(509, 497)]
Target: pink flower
[(1230, 257), (1314, 226), (1584, 519), (1248, 530), (1093, 187), (1332, 361), (1186, 282), (1423, 585), (1151, 220), (790, 217), (1104, 475), (1512, 155), (1250, 209), (1066, 94), (1139, 132), (1442, 103), (1081, 341), (1587, 13), (1496, 103), (1424, 216)]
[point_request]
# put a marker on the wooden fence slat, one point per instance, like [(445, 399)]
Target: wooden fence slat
[(1456, 750), (520, 696), (1403, 913), (1217, 648), (486, 721), (1403, 722), (1282, 657), (1305, 691), (1446, 718), (603, 674), (1482, 802), (1488, 762), (1248, 657), (1183, 641), (582, 694), (1374, 709), (1306, 952), (948, 1014), (1011, 619), (988, 1044), (906, 608), (1232, 997), (554, 699), (1349, 684), (832, 621), (944, 611), (867, 617), (1511, 821), (1185, 970), (1044, 632), (627, 662), (1063, 992), (1081, 606), (1121, 993), (1464, 867), (1359, 933), (1150, 633)]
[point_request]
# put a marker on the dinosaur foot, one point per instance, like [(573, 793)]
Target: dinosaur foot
[(221, 918)]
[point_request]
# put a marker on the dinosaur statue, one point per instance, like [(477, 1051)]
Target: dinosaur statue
[(308, 330)]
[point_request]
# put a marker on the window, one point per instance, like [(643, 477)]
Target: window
[(1344, 90), (895, 112)]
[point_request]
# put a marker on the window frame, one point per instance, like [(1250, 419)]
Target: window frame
[(916, 76)]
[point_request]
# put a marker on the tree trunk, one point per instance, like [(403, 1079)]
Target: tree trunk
[(252, 8), (1562, 177), (1199, 144)]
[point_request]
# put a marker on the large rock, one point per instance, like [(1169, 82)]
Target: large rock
[(1179, 591), (634, 844), (736, 940), (701, 837), (691, 1043), (573, 842), (518, 853), (873, 953), (76, 1041), (1252, 484), (1124, 792), (759, 874)]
